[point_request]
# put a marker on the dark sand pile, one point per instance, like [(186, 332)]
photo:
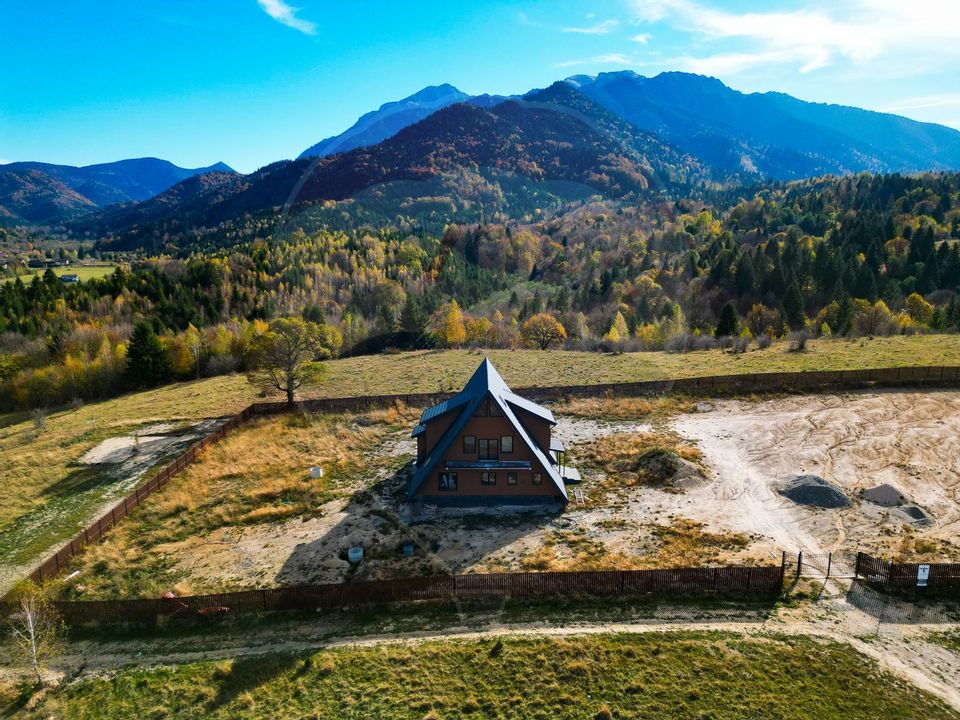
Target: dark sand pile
[(885, 495), (814, 491), (917, 514)]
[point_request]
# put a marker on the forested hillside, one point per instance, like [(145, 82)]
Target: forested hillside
[(862, 255)]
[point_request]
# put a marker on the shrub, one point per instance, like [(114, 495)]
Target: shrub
[(798, 341), (764, 341)]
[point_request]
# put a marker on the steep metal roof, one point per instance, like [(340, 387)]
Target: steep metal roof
[(485, 381), (530, 407)]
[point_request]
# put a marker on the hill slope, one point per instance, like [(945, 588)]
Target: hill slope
[(43, 192), (390, 118), (534, 144), (772, 134)]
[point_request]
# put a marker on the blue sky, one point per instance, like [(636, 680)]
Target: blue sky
[(251, 81)]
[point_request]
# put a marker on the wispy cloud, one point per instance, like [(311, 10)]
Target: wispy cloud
[(642, 38), (608, 59), (604, 27), (924, 101), (287, 15), (859, 32)]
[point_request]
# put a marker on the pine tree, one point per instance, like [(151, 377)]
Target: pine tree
[(793, 307), (729, 324), (147, 363)]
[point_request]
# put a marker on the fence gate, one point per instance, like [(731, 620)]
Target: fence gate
[(820, 565)]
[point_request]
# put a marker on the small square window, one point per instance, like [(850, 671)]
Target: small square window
[(447, 481), (511, 478), (537, 479), (488, 478), (506, 443), (470, 443)]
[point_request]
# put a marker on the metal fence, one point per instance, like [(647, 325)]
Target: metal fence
[(936, 577), (719, 384), (727, 582)]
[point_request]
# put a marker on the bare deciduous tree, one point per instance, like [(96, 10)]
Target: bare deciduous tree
[(36, 630)]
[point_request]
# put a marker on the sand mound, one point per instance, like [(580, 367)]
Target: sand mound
[(814, 491), (885, 495), (664, 468)]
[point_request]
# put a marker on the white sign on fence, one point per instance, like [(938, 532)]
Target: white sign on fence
[(923, 573)]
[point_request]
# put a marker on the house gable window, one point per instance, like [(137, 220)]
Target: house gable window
[(447, 482), (506, 444), (511, 478), (488, 449), (488, 407), (488, 478), (537, 479), (470, 444)]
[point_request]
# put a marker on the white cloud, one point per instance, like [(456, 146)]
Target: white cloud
[(287, 15), (604, 27), (924, 101), (608, 59), (859, 32), (642, 38)]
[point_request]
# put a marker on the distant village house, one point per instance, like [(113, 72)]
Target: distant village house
[(488, 446)]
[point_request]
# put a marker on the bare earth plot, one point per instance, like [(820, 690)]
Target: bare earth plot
[(249, 515), (909, 441)]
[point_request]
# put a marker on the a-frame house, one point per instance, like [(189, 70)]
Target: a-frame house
[(488, 446)]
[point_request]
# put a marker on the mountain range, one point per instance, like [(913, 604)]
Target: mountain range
[(615, 134), (37, 192)]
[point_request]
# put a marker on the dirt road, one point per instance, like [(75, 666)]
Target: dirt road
[(904, 650)]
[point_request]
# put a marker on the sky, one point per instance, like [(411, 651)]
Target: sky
[(248, 82)]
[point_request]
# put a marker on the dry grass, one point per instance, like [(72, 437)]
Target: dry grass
[(258, 474), (683, 543), (631, 459), (613, 408)]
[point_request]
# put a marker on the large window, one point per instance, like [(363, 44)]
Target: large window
[(488, 407), (506, 443), (470, 444), (537, 479), (488, 449), (488, 478), (448, 481), (511, 478)]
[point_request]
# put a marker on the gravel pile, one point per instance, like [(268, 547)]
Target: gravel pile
[(814, 491)]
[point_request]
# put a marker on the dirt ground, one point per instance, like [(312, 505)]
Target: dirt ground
[(909, 440)]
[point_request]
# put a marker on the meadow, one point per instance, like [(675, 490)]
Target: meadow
[(687, 674), (85, 272)]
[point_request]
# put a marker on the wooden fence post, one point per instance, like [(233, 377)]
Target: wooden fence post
[(799, 562)]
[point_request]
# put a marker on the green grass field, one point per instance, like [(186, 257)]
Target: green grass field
[(649, 676), (85, 272), (35, 462)]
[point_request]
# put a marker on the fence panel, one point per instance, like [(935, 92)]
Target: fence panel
[(667, 583)]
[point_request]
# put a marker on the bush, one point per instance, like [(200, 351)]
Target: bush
[(739, 345), (689, 342), (798, 341), (764, 341)]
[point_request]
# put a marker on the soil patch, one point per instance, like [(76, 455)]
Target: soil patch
[(814, 491)]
